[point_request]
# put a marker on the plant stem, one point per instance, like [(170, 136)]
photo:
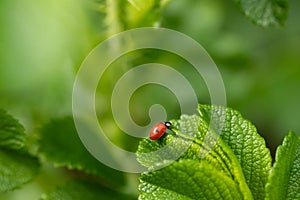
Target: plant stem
[(115, 18)]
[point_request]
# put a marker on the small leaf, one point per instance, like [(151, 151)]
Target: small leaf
[(16, 165), (16, 169), (285, 175), (248, 146), (265, 12), (83, 190), (60, 144), (188, 179), (12, 134)]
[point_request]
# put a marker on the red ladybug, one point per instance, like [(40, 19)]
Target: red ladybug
[(159, 129)]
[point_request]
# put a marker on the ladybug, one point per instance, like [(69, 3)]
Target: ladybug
[(159, 129)]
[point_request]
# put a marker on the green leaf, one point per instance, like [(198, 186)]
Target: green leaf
[(194, 139), (265, 12), (16, 169), (188, 179), (285, 175), (12, 134), (248, 146), (74, 190), (60, 144), (16, 165), (240, 152)]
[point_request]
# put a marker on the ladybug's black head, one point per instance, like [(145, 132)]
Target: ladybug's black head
[(168, 124)]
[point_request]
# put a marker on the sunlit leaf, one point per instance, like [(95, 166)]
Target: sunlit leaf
[(284, 178)]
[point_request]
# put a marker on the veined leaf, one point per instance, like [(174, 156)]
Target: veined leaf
[(248, 146), (16, 165), (188, 179), (16, 168), (12, 134), (195, 139), (284, 179), (265, 12)]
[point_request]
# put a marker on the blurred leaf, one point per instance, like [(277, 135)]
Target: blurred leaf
[(265, 12), (188, 179), (16, 165), (285, 175), (60, 144), (16, 169), (248, 146), (12, 134), (77, 190)]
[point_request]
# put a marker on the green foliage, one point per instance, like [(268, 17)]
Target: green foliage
[(221, 157), (12, 135), (237, 167), (83, 190), (188, 179), (265, 12), (61, 145), (195, 163), (17, 166), (285, 175), (248, 146)]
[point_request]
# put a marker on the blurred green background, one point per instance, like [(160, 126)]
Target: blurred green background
[(44, 42)]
